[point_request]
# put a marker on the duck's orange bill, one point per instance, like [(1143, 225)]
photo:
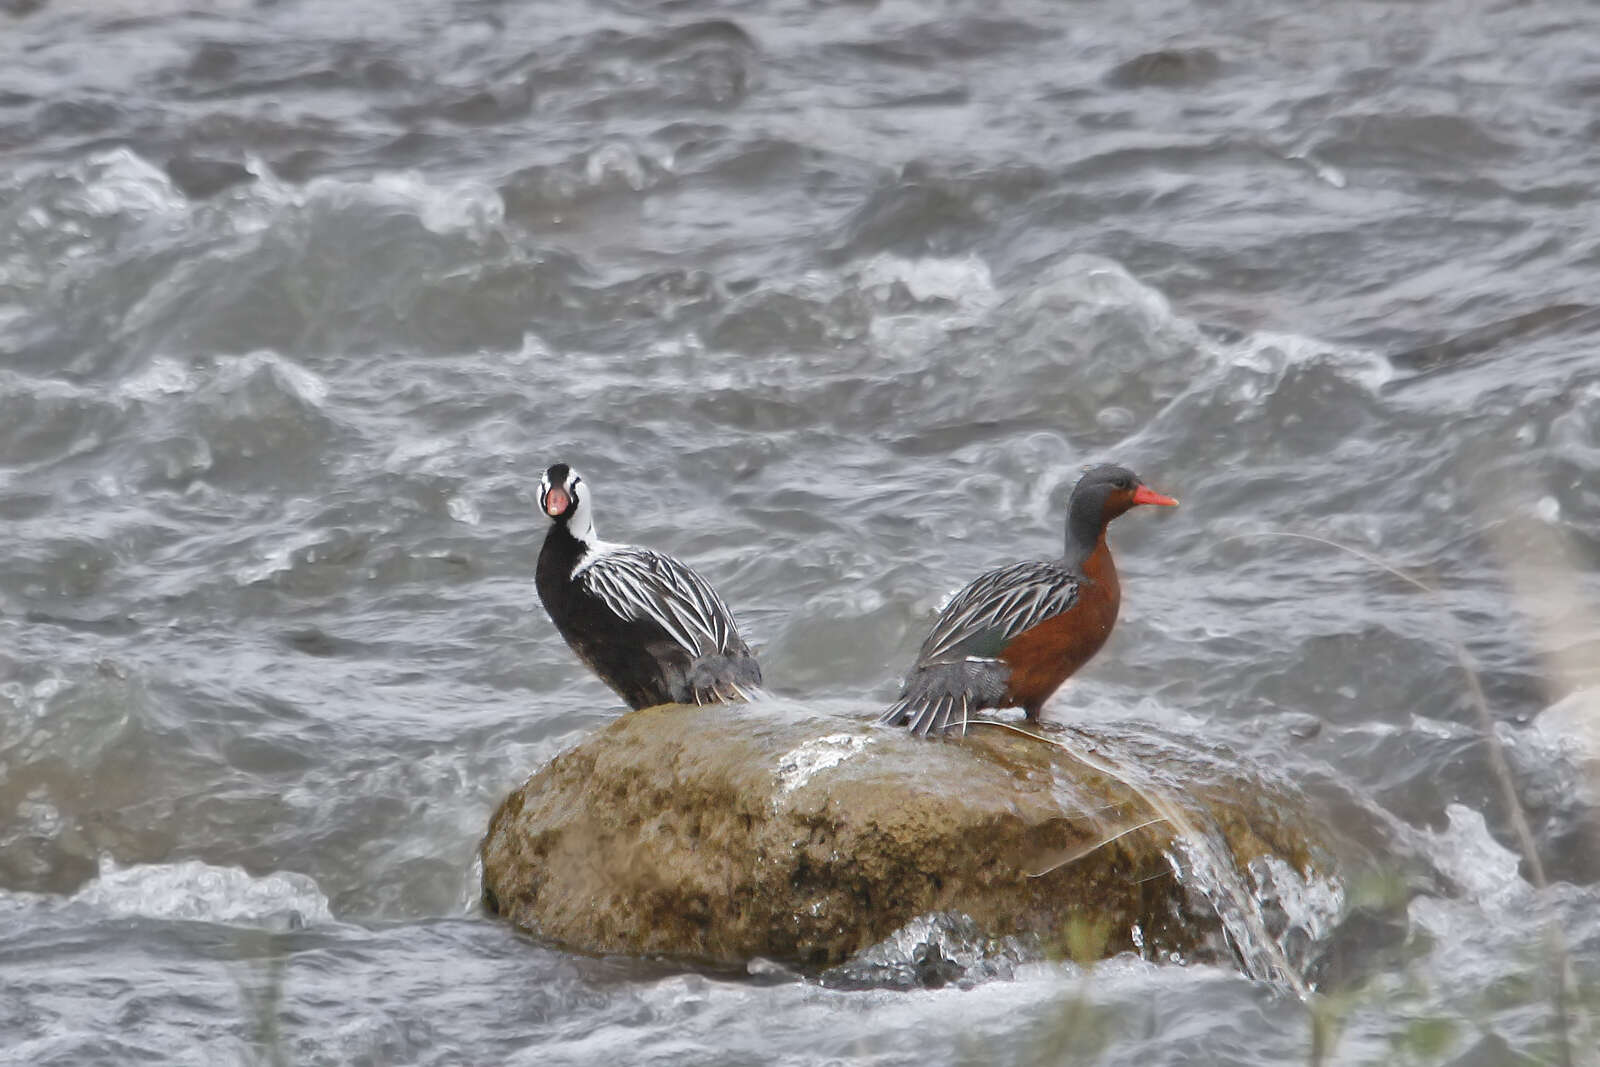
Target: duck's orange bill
[(556, 501), (1143, 495)]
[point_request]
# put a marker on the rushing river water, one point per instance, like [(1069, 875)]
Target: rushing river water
[(833, 302)]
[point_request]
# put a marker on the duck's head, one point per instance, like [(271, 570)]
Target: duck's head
[(1106, 491), (565, 500), (1103, 493)]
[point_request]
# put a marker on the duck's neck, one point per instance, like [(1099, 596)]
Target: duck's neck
[(1086, 537), (1098, 566), (560, 553), (581, 526)]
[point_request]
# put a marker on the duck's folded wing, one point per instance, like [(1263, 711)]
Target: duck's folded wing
[(982, 618), (638, 583)]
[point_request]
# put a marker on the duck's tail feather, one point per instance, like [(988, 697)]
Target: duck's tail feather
[(941, 696), (725, 680)]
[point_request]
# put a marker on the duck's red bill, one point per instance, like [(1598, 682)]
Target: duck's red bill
[(556, 502), (1146, 495)]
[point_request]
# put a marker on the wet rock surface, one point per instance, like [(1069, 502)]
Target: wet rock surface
[(724, 834)]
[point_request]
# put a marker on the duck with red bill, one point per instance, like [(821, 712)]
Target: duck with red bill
[(1014, 635)]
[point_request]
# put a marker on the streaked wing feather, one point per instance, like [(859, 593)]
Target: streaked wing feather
[(998, 606), (638, 583)]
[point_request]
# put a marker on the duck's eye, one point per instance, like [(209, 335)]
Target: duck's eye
[(1124, 483)]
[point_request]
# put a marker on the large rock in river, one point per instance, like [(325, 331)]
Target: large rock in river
[(804, 835)]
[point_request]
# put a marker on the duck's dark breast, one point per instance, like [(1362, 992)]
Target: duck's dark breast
[(634, 657)]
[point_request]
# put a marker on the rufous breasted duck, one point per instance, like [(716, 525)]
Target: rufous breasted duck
[(1012, 636), (651, 628)]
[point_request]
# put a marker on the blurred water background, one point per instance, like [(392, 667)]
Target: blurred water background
[(831, 301)]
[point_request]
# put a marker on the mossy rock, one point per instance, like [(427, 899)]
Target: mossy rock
[(803, 835)]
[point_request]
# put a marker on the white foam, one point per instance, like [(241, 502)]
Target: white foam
[(619, 159), (442, 207), (1086, 288), (303, 384), (964, 280), (199, 892), (278, 557), (1270, 354), (121, 183), (1483, 869), (1085, 282), (1312, 904), (162, 378), (533, 349), (796, 766), (468, 207)]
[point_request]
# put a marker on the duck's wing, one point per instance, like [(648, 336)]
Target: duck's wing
[(642, 584), (995, 607)]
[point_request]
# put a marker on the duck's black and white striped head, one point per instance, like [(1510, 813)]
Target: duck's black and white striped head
[(565, 499)]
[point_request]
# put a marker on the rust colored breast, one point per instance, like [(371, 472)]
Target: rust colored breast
[(1044, 656)]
